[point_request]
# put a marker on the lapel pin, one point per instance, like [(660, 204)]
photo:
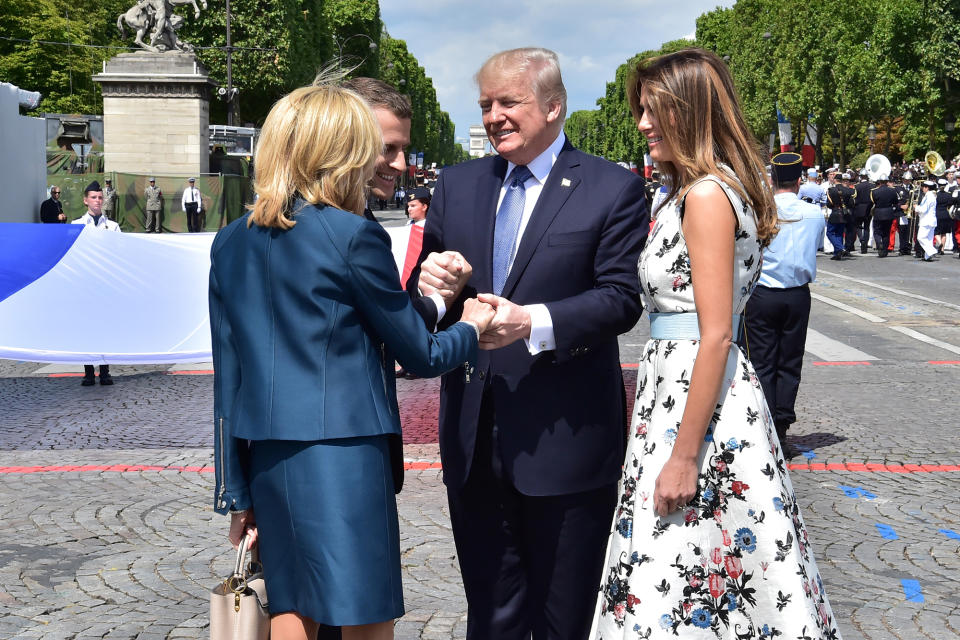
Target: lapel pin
[(565, 182)]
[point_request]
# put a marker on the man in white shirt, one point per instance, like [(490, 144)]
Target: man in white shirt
[(192, 204), (93, 199)]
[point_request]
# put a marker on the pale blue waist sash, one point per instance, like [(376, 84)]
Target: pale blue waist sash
[(682, 326)]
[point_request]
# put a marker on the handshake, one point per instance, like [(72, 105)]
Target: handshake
[(499, 321)]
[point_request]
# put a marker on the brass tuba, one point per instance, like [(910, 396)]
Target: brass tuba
[(935, 163), (877, 167)]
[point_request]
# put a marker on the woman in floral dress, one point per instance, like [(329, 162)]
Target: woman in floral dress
[(707, 539)]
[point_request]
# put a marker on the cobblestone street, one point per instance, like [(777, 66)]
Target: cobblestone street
[(106, 492)]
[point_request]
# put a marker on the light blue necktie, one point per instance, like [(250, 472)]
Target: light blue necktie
[(508, 226)]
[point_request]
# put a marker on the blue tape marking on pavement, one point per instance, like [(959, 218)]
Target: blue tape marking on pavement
[(950, 533), (917, 313), (856, 492), (911, 589), (901, 307), (887, 532)]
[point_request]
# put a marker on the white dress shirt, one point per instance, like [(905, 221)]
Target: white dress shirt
[(104, 222), (541, 337), (191, 194)]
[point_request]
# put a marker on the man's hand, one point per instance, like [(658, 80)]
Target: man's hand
[(511, 323), (444, 273)]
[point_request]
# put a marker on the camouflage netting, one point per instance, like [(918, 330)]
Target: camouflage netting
[(224, 197)]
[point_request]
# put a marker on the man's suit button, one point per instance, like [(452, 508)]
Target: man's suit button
[(482, 375)]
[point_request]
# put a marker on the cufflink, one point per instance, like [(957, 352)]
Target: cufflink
[(543, 344)]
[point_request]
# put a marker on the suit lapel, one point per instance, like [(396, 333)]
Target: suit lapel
[(486, 195), (563, 180)]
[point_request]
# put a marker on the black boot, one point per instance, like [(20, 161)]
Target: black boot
[(88, 376), (105, 378)]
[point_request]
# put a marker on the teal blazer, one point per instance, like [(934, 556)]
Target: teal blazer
[(306, 325)]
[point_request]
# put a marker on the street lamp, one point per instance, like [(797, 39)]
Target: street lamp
[(871, 135)]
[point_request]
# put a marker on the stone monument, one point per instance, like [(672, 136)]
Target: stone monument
[(156, 102)]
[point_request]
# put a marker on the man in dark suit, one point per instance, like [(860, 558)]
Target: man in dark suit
[(886, 207), (51, 209), (532, 437)]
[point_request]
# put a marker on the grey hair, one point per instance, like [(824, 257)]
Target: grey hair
[(542, 63)]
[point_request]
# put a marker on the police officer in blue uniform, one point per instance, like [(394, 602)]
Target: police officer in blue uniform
[(776, 316)]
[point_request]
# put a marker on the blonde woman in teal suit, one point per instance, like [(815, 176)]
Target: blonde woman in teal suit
[(307, 317)]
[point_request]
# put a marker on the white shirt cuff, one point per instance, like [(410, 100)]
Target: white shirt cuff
[(541, 330), (441, 306)]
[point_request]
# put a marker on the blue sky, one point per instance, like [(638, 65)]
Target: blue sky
[(452, 38)]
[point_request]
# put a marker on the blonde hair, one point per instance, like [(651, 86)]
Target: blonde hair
[(319, 143), (691, 95)]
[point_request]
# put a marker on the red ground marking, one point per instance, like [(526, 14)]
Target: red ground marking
[(198, 372), (65, 375), (943, 362), (840, 364), (873, 467)]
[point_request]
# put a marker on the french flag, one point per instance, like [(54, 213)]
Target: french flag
[(786, 135), (76, 294)]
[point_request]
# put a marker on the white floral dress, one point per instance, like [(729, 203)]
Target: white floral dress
[(736, 561)]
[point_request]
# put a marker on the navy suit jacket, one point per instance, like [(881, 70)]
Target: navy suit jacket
[(560, 414), (306, 325)]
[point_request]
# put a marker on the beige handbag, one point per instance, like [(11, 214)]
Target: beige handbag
[(238, 605)]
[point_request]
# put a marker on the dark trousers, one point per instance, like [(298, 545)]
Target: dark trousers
[(89, 369), (881, 236), (530, 564), (850, 234), (904, 231), (863, 231), (775, 332), (835, 235), (193, 217)]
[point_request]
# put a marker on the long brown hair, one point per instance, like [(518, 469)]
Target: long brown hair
[(319, 143), (691, 95)]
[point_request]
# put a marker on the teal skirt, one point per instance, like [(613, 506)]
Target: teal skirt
[(329, 537)]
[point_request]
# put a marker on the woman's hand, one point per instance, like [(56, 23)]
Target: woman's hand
[(243, 522), (479, 313), (676, 485)]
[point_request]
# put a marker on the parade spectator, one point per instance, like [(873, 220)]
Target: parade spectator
[(192, 204), (304, 467), (51, 209), (93, 199), (531, 437), (705, 502), (154, 207)]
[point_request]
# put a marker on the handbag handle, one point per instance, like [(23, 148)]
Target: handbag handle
[(237, 582)]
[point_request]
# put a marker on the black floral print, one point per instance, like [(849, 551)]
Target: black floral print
[(736, 561)]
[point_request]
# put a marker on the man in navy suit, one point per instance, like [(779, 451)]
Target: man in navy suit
[(532, 437)]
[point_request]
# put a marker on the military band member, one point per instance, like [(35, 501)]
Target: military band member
[(840, 205), (926, 214), (906, 193), (154, 206), (861, 213), (885, 207), (109, 199), (945, 202)]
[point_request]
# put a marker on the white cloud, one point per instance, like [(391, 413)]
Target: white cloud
[(452, 38)]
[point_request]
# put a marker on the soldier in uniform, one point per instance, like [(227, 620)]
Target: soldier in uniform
[(861, 213), (905, 194), (885, 209), (154, 206), (840, 204), (109, 199)]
